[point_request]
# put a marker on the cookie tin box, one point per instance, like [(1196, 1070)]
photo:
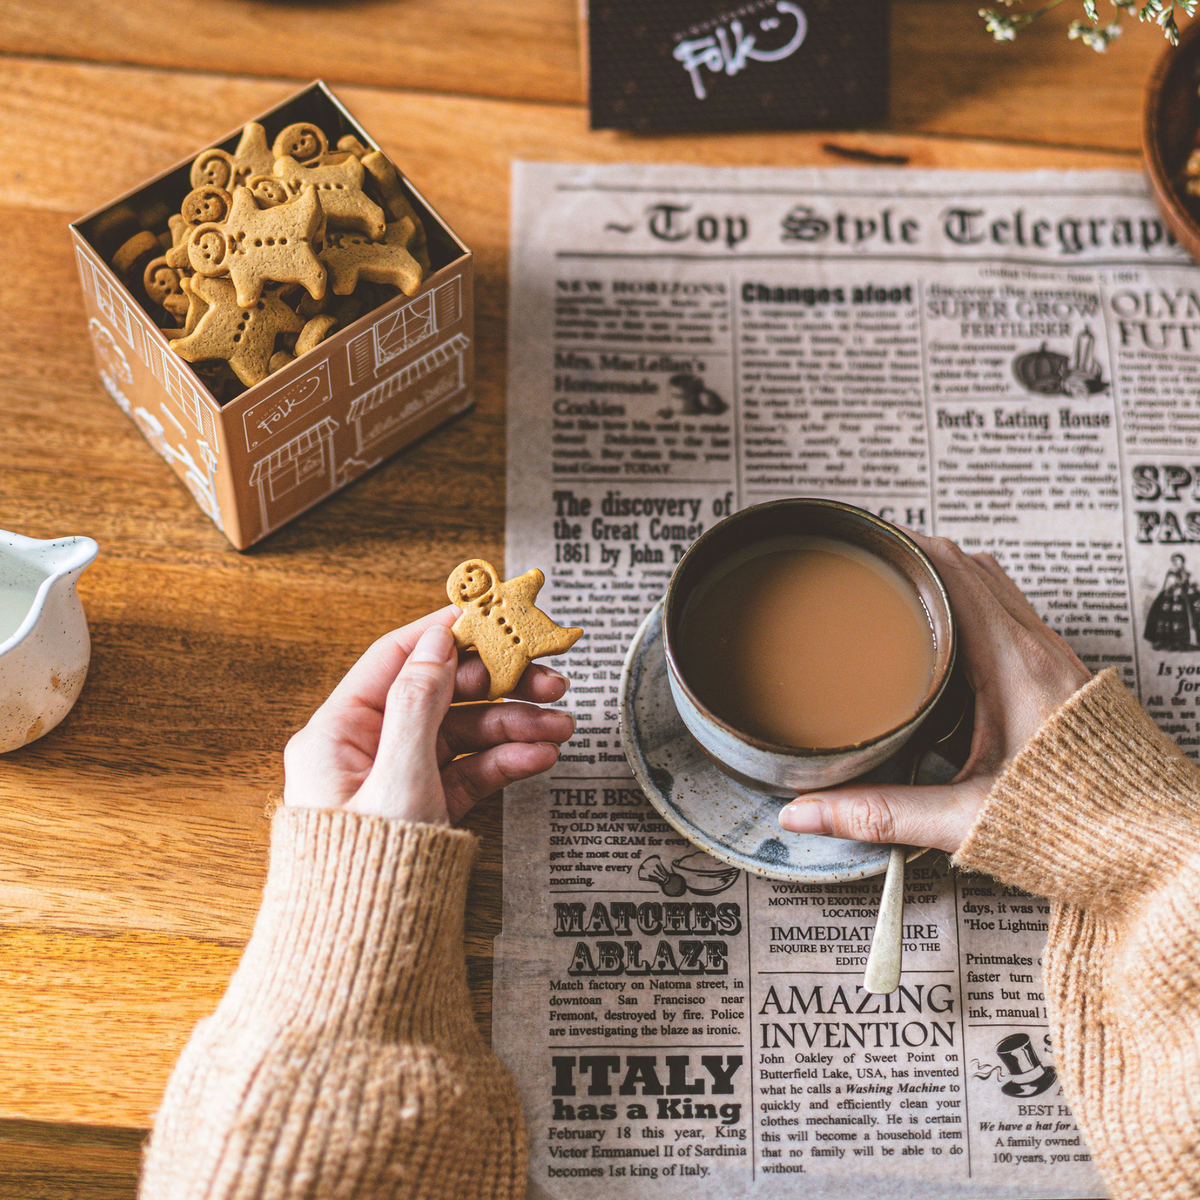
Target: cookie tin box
[(365, 392)]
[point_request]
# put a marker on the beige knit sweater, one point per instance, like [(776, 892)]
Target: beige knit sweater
[(344, 1064)]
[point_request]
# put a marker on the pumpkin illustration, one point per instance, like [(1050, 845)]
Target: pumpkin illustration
[(1042, 371)]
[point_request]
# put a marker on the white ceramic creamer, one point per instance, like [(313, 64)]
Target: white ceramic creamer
[(44, 642)]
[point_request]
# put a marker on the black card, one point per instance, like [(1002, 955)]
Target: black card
[(658, 66)]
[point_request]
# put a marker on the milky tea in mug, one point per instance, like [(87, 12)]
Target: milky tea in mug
[(807, 642)]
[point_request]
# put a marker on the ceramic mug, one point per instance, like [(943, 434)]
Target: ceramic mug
[(785, 770)]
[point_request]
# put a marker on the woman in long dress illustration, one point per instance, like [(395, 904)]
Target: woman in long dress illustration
[(1173, 622)]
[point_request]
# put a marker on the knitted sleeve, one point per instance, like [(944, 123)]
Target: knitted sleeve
[(344, 1059), (1101, 813)]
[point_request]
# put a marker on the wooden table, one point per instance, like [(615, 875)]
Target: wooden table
[(132, 839)]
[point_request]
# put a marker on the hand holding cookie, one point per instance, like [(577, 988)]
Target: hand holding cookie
[(400, 737), (501, 622)]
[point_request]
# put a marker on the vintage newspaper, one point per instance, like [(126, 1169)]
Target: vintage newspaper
[(1009, 360)]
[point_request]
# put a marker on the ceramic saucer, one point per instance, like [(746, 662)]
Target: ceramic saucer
[(730, 821)]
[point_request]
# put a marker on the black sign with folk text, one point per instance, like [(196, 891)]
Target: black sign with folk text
[(710, 65)]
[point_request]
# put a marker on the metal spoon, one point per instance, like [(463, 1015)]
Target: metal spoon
[(882, 974), (887, 945)]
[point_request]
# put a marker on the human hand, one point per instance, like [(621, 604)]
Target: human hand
[(387, 741), (1020, 671)]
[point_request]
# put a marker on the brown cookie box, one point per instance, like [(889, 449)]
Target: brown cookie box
[(308, 429)]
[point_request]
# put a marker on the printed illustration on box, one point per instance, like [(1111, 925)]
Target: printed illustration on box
[(296, 475), (404, 329), (372, 417), (191, 448), (288, 405)]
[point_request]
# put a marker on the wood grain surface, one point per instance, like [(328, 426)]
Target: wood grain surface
[(948, 75), (133, 838)]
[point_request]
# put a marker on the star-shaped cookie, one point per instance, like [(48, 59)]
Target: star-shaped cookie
[(501, 622), (242, 334), (350, 257), (254, 246), (339, 189)]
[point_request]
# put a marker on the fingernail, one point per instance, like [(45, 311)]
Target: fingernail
[(803, 816), (556, 675), (435, 646)]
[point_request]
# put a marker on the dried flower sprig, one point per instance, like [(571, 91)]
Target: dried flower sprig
[(1003, 25)]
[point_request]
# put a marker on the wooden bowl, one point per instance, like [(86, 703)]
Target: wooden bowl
[(1169, 126)]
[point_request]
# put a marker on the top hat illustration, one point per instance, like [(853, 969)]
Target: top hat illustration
[(1027, 1076)]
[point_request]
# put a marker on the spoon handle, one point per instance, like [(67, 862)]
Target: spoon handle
[(883, 963)]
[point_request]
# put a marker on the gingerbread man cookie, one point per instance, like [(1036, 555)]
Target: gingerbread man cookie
[(162, 285), (203, 205), (135, 253), (243, 335), (301, 141), (501, 622), (256, 246), (410, 234), (350, 145), (339, 189), (221, 169), (196, 308), (268, 191), (350, 257)]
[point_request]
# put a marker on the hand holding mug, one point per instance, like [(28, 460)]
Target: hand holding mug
[(1020, 670)]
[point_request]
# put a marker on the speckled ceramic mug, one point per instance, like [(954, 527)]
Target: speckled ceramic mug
[(785, 770), (44, 643)]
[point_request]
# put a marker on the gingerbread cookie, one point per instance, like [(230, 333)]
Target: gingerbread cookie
[(268, 191), (219, 168), (300, 141), (397, 203), (162, 285), (242, 334), (501, 622), (253, 156), (350, 257), (197, 305), (132, 255), (411, 235), (256, 246), (196, 308), (351, 145), (212, 168), (206, 204), (256, 222), (314, 333), (202, 205), (339, 189)]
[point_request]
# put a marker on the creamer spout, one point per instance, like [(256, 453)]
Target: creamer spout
[(68, 556)]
